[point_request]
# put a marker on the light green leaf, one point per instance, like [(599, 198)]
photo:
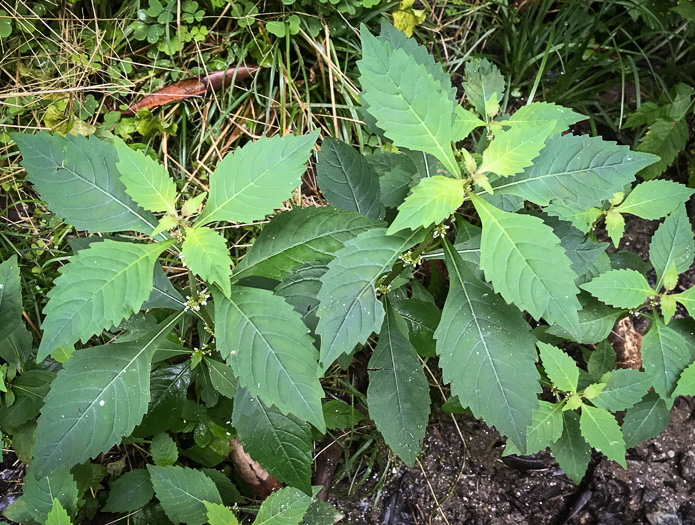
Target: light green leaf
[(601, 431), (481, 80), (665, 138), (58, 515), (668, 306), (99, 396), (687, 299), (593, 390), (686, 382), (145, 179), (582, 220), (624, 388), (397, 173), (655, 199), (407, 102), (256, 178), (218, 514), (482, 334), (523, 259), (665, 354), (615, 226), (205, 252), (79, 180), (430, 202), (287, 506), (163, 450), (560, 368), (40, 490), (464, 123), (272, 355), (645, 420), (541, 113), (98, 288), (130, 491), (349, 310), (672, 244), (514, 149), (182, 492), (398, 395), (647, 113), (577, 171), (571, 451), (298, 236), (222, 377), (620, 288), (347, 180), (10, 297), (192, 205), (545, 428), (281, 444)]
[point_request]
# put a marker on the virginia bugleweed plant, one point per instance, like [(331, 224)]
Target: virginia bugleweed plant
[(527, 281)]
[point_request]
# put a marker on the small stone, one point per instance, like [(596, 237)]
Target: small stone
[(687, 466), (671, 453)]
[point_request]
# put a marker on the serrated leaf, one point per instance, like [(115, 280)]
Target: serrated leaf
[(347, 180), (523, 259), (349, 310), (665, 354), (544, 112), (398, 394), (182, 492), (672, 244), (645, 420), (686, 382), (545, 428), (281, 444), (647, 113), (58, 515), (321, 513), (192, 205), (602, 360), (431, 201), (577, 171), (145, 179), (10, 297), (272, 355), (255, 179), (41, 490), (407, 102), (205, 252), (163, 294), (163, 450), (397, 173), (571, 451), (560, 368), (624, 388), (620, 288), (79, 180), (665, 138), (100, 395), (222, 378), (218, 514), (287, 506), (98, 288), (596, 321), (514, 149), (615, 226), (582, 220), (464, 123), (487, 353), (601, 431), (481, 80), (298, 236), (130, 492), (655, 199), (687, 299)]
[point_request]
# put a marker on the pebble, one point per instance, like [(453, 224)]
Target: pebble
[(687, 466)]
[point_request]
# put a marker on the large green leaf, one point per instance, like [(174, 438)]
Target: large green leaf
[(430, 202), (10, 297), (578, 171), (545, 428), (560, 368), (79, 180), (168, 386), (422, 318), (664, 138), (624, 388), (256, 178), (347, 180), (541, 113), (287, 506), (601, 431), (523, 259), (665, 354), (596, 320), (487, 353), (99, 396), (397, 173), (514, 149), (398, 395), (349, 310), (620, 288), (645, 420), (655, 199), (407, 102), (672, 244), (145, 179), (571, 451), (98, 288), (40, 490), (205, 252), (481, 80), (298, 236), (272, 355), (281, 444), (130, 492), (182, 492)]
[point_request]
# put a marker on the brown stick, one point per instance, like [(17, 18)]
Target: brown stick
[(191, 87), (262, 483)]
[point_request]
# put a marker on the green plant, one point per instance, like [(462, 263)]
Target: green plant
[(332, 277)]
